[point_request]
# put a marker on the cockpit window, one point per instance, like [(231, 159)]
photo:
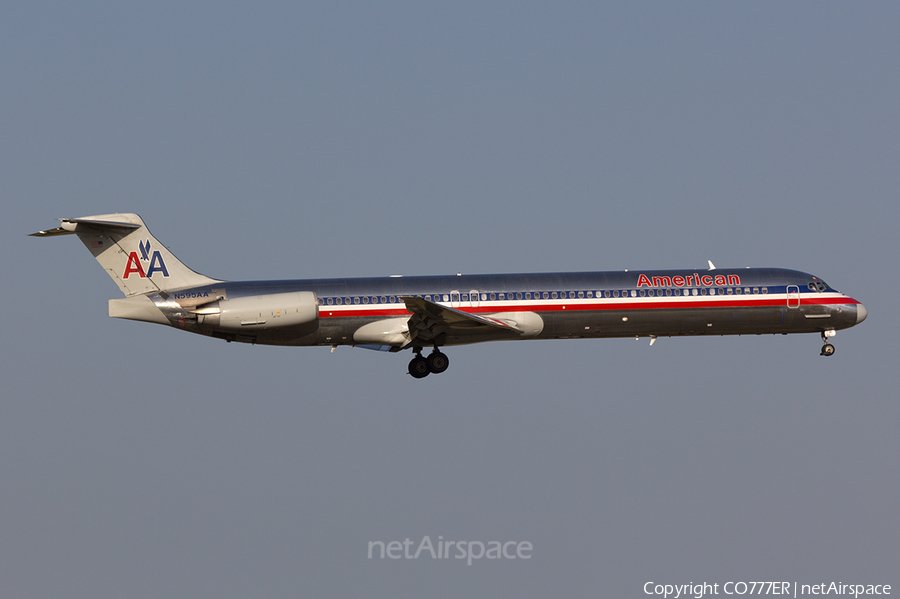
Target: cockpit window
[(817, 285)]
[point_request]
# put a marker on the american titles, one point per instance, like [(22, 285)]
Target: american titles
[(694, 280)]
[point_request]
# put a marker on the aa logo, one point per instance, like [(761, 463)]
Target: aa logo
[(154, 261)]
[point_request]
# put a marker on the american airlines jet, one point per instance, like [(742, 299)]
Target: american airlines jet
[(417, 312)]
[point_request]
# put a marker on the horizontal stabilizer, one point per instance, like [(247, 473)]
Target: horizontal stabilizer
[(52, 232), (70, 225)]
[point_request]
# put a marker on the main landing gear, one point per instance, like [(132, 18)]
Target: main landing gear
[(436, 362), (827, 349)]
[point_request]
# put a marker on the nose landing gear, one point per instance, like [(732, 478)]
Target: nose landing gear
[(827, 349), (436, 362)]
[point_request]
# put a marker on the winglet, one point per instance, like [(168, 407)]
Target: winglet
[(711, 265)]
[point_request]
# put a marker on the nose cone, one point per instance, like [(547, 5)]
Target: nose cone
[(861, 313)]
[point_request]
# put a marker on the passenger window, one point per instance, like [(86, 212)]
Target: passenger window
[(581, 294), (519, 295), (355, 300), (493, 296), (765, 290)]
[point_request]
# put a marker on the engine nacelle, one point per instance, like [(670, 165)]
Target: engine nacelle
[(261, 312)]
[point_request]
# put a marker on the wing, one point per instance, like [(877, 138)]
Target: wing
[(429, 320), (429, 323)]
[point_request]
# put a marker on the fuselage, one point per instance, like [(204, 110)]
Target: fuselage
[(560, 305)]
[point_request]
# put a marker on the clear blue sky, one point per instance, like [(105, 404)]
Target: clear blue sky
[(286, 140)]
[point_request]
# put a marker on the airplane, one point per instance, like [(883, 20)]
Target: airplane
[(399, 312)]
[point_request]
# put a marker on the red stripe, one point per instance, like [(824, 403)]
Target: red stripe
[(595, 307)]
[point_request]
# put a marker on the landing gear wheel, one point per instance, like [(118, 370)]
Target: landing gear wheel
[(827, 350), (418, 367), (437, 362)]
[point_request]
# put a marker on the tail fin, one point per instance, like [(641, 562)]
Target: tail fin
[(124, 247)]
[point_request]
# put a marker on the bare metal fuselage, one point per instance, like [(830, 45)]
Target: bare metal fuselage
[(562, 305)]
